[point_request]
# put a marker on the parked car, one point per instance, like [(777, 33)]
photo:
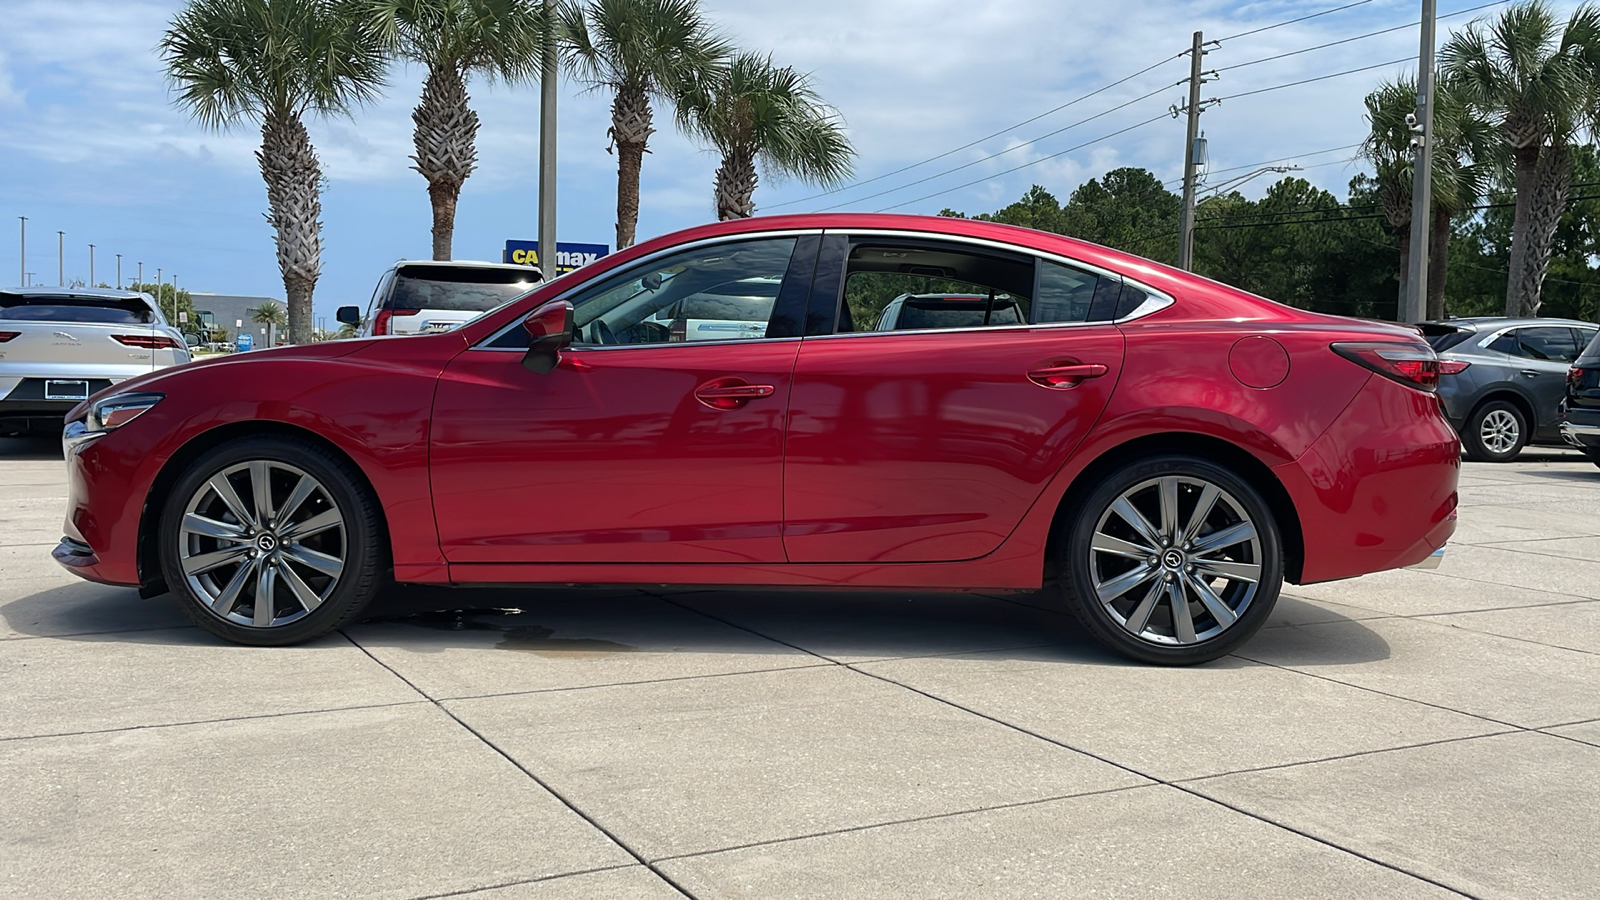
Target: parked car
[(911, 311), (416, 297), (1580, 409), (59, 345), (1170, 451), (1502, 380), (739, 309)]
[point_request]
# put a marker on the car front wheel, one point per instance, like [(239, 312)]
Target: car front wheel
[(1173, 560), (271, 540), (1496, 432)]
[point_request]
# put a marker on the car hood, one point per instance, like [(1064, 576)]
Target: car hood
[(156, 381)]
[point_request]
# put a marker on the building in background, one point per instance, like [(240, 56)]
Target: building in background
[(223, 310)]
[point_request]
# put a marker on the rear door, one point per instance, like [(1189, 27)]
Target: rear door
[(1542, 353), (930, 444)]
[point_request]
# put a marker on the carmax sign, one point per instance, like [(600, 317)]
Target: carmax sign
[(568, 256)]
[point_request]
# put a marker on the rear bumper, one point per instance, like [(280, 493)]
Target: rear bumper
[(1581, 428), (1378, 490), (1432, 562), (26, 408)]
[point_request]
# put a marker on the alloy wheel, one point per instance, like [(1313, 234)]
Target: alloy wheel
[(262, 543), (1175, 560), (1499, 431)]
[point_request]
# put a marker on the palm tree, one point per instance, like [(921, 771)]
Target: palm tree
[(273, 62), (455, 39), (271, 315), (1538, 80), (638, 50), (757, 111), (1463, 157)]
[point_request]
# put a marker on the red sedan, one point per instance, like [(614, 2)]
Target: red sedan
[(1167, 449)]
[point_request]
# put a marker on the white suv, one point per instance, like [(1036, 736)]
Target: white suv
[(60, 345), (416, 297)]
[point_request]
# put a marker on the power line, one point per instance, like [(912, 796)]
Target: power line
[(1279, 87), (1003, 131), (1292, 21), (968, 165), (1359, 37), (1025, 165), (1268, 162)]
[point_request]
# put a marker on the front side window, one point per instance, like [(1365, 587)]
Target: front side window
[(920, 285)]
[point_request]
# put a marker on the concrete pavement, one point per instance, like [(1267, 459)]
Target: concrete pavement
[(1409, 734)]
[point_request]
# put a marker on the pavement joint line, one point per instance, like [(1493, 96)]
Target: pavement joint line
[(1354, 754), (1436, 574), (1124, 767), (1509, 637), (1489, 609), (614, 684), (1568, 737), (1560, 537), (249, 718), (1359, 687), (1537, 553), (522, 881), (565, 801), (931, 817)]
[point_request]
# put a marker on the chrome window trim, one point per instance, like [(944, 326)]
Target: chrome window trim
[(665, 251), (1157, 300)]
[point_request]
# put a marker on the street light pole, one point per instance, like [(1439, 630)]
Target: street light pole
[(22, 262), (1422, 177), (141, 275), (91, 265), (119, 271), (61, 258), (548, 82), (159, 284)]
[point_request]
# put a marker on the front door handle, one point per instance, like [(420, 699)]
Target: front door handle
[(731, 393), (1064, 377), (1530, 373)]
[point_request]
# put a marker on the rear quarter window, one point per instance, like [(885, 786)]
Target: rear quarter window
[(96, 310), (1443, 337)]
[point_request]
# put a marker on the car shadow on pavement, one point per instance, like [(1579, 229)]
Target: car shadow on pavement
[(30, 448), (567, 623)]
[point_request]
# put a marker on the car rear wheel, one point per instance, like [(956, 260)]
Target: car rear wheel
[(1173, 560), (1496, 432), (271, 540)]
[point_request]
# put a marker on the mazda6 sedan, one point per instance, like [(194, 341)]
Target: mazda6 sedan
[(1166, 449)]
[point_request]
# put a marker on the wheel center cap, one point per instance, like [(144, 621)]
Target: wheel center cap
[(1172, 559), (266, 543)]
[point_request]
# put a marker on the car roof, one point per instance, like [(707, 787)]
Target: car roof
[(58, 291), (1486, 323), (464, 264)]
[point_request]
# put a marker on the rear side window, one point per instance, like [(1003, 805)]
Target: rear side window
[(901, 285), (1548, 343), (1065, 294), (100, 310), (1443, 337), (457, 288)]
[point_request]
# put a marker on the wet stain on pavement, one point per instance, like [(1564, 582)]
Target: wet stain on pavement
[(535, 639)]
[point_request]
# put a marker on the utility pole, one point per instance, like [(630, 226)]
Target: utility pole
[(1186, 217), (61, 258), (22, 260), (91, 265), (1422, 178), (159, 283), (141, 275), (119, 271), (548, 83)]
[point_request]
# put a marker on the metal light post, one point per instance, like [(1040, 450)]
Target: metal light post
[(548, 82), (1422, 177), (159, 283), (141, 275), (61, 258), (91, 265), (119, 271), (22, 260)]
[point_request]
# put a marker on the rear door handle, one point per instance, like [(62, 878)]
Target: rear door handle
[(1067, 376), (1530, 373), (729, 393)]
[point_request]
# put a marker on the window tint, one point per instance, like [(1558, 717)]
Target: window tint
[(1443, 337), (1548, 343), (1588, 342), (102, 310), (457, 288), (1065, 294), (911, 285), (717, 293), (1131, 299)]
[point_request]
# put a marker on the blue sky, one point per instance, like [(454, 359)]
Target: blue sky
[(90, 143)]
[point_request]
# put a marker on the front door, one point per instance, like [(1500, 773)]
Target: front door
[(647, 443), (956, 383)]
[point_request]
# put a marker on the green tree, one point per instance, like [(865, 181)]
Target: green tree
[(754, 111), (274, 62), (271, 315), (1538, 80), (172, 302), (454, 40), (638, 50)]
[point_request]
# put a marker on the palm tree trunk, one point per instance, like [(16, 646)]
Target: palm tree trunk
[(445, 137), (290, 168), (631, 127), (1552, 180), (1438, 260), (736, 185), (1527, 164)]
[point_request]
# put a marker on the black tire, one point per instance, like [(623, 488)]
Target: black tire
[(1593, 453), (357, 541), (1495, 432), (1088, 568)]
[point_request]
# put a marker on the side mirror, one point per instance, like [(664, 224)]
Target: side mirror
[(549, 329), (349, 315), (192, 339)]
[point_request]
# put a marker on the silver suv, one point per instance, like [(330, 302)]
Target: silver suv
[(416, 297), (60, 345)]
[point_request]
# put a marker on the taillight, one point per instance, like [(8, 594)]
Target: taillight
[(1574, 374), (1452, 366), (8, 335), (380, 322), (1413, 365), (147, 341)]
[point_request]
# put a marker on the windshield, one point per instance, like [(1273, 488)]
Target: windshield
[(68, 308)]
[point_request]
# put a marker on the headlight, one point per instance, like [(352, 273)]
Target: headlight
[(106, 415)]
